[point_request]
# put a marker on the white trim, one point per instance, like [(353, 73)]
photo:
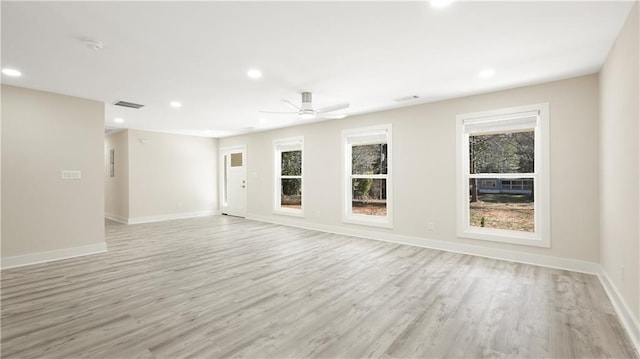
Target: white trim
[(463, 248), (279, 146), (362, 136), (115, 217), (50, 256), (222, 181), (171, 216), (541, 237), (627, 319)]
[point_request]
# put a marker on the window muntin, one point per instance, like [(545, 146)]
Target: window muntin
[(503, 175), (367, 189), (236, 159), (289, 176)]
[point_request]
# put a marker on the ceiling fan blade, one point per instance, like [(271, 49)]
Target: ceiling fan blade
[(279, 112), (336, 116), (337, 107), (291, 104)]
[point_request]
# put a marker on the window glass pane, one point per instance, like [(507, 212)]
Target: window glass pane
[(291, 163), (236, 159), (225, 192), (369, 196), (502, 153), (291, 196), (369, 159), (502, 203)]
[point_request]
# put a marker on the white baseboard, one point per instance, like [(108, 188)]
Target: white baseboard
[(487, 252), (167, 217), (628, 320), (115, 217), (48, 256)]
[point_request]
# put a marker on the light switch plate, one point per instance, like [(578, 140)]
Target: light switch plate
[(71, 174)]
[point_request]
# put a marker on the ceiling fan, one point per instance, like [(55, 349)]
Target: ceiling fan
[(306, 112)]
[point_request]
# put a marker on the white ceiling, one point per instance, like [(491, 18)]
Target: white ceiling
[(364, 53)]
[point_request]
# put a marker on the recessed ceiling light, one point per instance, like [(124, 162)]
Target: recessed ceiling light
[(254, 74), (176, 104), (486, 73), (11, 72), (441, 3), (118, 120), (263, 120)]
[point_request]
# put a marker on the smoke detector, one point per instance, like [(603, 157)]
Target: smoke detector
[(92, 44)]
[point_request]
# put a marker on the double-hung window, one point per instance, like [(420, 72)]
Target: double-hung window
[(289, 176), (367, 176), (503, 175)]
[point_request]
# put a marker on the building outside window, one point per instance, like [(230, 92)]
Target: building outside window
[(503, 175)]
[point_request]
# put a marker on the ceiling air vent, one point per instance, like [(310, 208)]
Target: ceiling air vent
[(128, 104)]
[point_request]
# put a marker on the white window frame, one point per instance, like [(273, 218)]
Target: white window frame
[(279, 146), (504, 120), (364, 136)]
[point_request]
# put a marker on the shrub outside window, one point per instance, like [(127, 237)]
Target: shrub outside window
[(367, 176), (503, 175), (289, 176)]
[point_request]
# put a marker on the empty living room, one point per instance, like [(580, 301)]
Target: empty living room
[(320, 179)]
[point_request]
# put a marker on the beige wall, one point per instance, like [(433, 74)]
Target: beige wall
[(424, 153), (619, 163), (44, 133), (116, 189), (171, 174)]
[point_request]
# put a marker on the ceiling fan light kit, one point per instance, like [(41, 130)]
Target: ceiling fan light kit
[(306, 112), (306, 115)]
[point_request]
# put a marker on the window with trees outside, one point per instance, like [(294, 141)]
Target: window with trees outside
[(289, 176), (367, 176), (503, 175)]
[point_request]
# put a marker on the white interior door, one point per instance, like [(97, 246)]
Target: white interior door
[(234, 181)]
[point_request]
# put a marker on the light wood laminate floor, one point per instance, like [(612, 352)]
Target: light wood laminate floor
[(227, 287)]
